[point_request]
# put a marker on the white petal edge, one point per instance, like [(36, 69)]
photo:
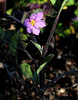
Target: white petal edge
[(36, 31)]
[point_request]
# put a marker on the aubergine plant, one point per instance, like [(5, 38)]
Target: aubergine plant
[(11, 42)]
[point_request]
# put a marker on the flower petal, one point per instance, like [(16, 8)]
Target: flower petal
[(35, 31), (29, 30), (40, 24), (39, 16), (33, 17), (27, 23)]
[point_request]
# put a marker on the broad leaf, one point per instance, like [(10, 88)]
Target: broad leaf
[(9, 34), (14, 43), (53, 1), (37, 46), (44, 62), (26, 70)]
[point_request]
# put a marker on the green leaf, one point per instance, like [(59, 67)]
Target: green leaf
[(26, 70), (62, 35), (37, 46), (9, 12), (1, 33), (9, 34), (14, 44), (63, 4), (53, 1), (23, 38), (35, 77), (71, 2), (76, 12), (44, 62), (36, 11)]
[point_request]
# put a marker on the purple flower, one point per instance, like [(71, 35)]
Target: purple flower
[(34, 23)]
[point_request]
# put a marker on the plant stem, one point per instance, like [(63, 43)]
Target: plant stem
[(29, 56), (53, 29), (56, 78), (14, 19), (50, 36), (34, 38), (5, 54), (42, 84)]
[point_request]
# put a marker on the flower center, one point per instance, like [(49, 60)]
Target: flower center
[(32, 22)]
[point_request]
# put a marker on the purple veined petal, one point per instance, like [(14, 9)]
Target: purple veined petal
[(33, 17), (40, 24), (29, 30), (27, 23), (39, 16), (35, 31)]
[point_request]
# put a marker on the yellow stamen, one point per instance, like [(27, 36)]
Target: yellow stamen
[(32, 22)]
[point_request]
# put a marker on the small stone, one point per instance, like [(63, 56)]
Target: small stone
[(74, 85), (72, 77), (69, 62), (1, 65), (51, 75), (31, 82), (33, 94), (62, 90)]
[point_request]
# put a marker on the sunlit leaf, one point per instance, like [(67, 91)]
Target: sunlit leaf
[(76, 12), (53, 1), (63, 4), (44, 62), (23, 38), (26, 70), (62, 35), (71, 2), (41, 67), (67, 32), (9, 11), (37, 46)]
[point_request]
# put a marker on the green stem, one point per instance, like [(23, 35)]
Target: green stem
[(53, 29)]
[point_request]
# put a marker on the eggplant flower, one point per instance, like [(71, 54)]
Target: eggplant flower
[(34, 23)]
